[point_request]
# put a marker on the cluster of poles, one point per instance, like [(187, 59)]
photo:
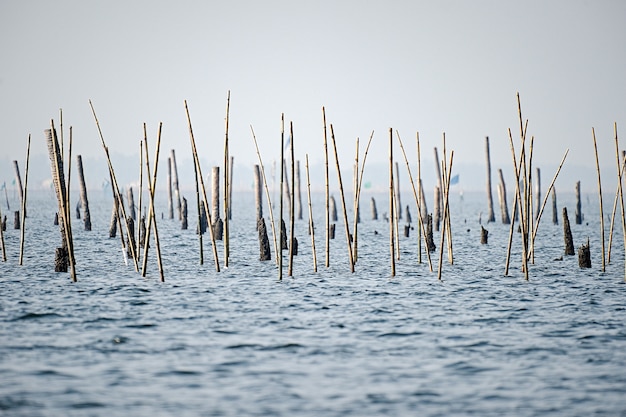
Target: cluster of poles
[(528, 206)]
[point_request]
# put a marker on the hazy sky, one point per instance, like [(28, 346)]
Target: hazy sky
[(432, 67)]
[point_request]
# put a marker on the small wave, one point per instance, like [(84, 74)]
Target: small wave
[(399, 334)]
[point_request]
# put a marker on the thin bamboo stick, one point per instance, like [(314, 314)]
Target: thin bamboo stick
[(621, 174), (226, 186), (199, 209), (446, 211), (206, 202), (267, 193), (311, 225), (595, 147), (358, 193), (140, 198), (508, 250), (327, 241), (397, 209), (355, 184), (292, 204), (114, 185), (621, 195), (23, 225), (151, 215), (417, 203), (392, 259), (518, 193), (418, 197), (282, 178), (343, 201)]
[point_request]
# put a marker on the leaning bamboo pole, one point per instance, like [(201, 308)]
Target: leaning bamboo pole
[(343, 201), (358, 193), (280, 211), (151, 215), (226, 185), (311, 225), (621, 194), (392, 218), (420, 224), (355, 185), (520, 201), (267, 193), (620, 177), (292, 205), (421, 229), (446, 209), (18, 180), (114, 184), (200, 216), (206, 201), (23, 225), (140, 198), (327, 195), (595, 147)]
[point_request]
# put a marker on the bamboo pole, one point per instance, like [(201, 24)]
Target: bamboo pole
[(620, 177), (508, 250), (392, 259), (504, 208), (355, 184), (292, 203), (420, 224), (199, 209), (57, 162), (226, 185), (621, 194), (327, 195), (170, 201), (83, 193), (298, 190), (258, 192), (114, 185), (518, 193), (282, 177), (23, 225), (397, 209), (595, 147), (139, 237), (151, 215), (311, 225), (358, 194), (267, 193), (446, 211), (343, 202), (417, 203), (206, 203)]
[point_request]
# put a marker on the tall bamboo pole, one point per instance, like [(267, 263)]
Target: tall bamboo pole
[(595, 147), (267, 193), (140, 198), (327, 195), (23, 225), (282, 178), (419, 196), (621, 194), (206, 202), (420, 215), (446, 211), (358, 193), (175, 185), (114, 185), (343, 201), (355, 184), (292, 205), (226, 186), (392, 218), (199, 209), (311, 225), (151, 215)]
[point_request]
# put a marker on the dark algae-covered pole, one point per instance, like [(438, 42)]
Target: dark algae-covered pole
[(83, 193), (567, 234)]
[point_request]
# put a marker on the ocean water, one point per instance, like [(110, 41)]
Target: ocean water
[(332, 343)]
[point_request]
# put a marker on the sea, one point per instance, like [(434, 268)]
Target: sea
[(325, 342)]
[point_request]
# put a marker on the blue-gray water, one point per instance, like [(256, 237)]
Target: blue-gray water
[(330, 343)]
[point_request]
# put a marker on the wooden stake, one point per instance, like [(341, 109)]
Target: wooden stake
[(490, 214), (4, 251)]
